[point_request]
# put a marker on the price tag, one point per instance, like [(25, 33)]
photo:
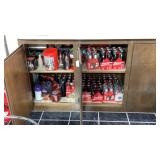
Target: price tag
[(77, 63)]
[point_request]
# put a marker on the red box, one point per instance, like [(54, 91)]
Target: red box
[(93, 64), (109, 97), (106, 64), (118, 64), (97, 97), (86, 97)]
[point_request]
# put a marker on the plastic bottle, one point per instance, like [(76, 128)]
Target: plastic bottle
[(38, 92), (40, 62)]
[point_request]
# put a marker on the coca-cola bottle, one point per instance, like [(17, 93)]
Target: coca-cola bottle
[(114, 54), (103, 56), (121, 53)]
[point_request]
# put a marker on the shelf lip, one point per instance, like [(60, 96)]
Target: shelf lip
[(102, 104), (53, 71), (51, 102), (103, 71)]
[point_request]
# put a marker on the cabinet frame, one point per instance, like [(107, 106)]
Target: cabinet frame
[(78, 73)]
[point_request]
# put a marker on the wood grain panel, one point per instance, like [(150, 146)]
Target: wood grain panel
[(142, 86), (17, 84), (144, 54)]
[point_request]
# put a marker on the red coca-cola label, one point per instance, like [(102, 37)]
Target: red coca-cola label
[(118, 64), (106, 64), (86, 97), (109, 97), (92, 64), (97, 97), (68, 90)]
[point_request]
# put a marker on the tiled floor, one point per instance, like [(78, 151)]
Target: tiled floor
[(93, 118)]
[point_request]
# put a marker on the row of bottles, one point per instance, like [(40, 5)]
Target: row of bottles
[(51, 59), (105, 58), (102, 88), (54, 86), (99, 88)]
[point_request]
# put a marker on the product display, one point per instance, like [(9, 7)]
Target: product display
[(102, 88), (104, 58), (66, 58), (55, 86), (50, 59)]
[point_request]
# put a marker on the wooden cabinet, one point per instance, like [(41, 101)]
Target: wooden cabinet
[(139, 78), (142, 83)]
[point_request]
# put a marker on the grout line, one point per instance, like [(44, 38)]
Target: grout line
[(125, 112), (40, 117), (127, 118), (141, 122), (98, 119), (69, 118), (115, 121)]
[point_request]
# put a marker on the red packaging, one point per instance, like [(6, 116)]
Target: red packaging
[(98, 98), (72, 88), (109, 97), (68, 90), (93, 64), (86, 97), (6, 108), (106, 64), (106, 97), (89, 64), (53, 53), (118, 64)]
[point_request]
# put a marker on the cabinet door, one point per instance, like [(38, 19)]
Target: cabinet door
[(142, 84), (17, 84)]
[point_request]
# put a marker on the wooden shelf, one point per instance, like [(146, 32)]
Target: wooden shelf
[(48, 105), (85, 70), (102, 104), (53, 71)]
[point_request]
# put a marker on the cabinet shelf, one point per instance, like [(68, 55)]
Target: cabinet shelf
[(85, 70), (53, 71), (62, 105)]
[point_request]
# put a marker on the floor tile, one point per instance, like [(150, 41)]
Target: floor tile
[(90, 122), (143, 117), (106, 116), (56, 115), (75, 116), (74, 123), (136, 123), (90, 115), (35, 115), (52, 122), (114, 123)]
